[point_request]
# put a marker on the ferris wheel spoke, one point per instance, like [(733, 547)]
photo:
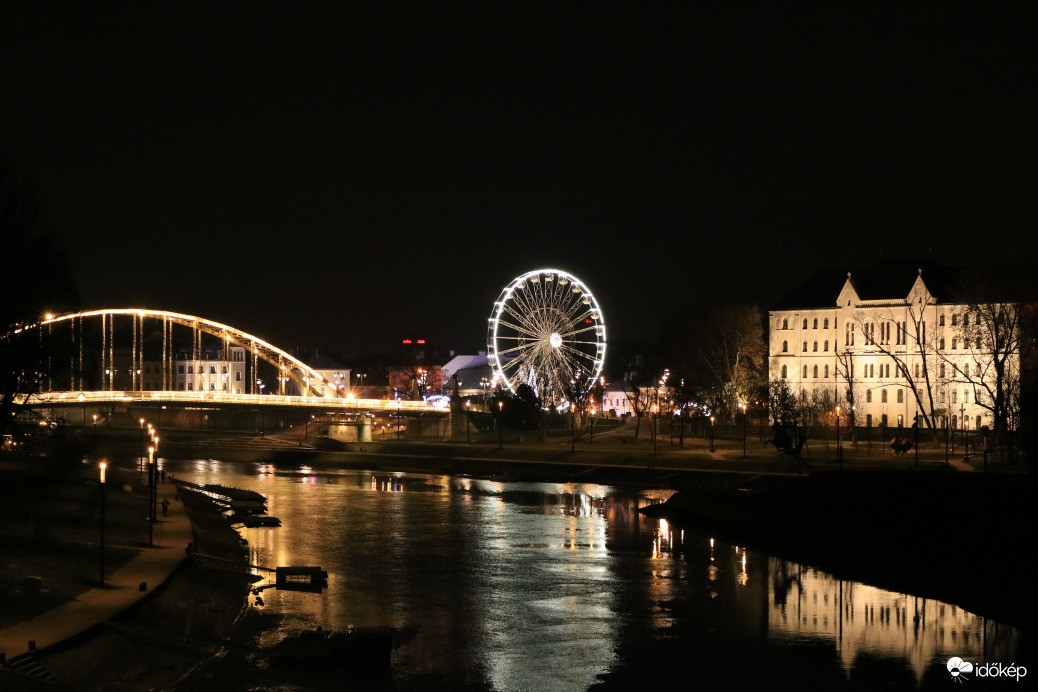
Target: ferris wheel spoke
[(520, 329)]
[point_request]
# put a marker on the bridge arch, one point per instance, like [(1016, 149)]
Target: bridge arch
[(288, 365)]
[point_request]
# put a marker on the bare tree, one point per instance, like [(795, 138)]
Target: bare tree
[(903, 338)]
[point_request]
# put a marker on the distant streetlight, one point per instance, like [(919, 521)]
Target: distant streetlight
[(712, 448), (500, 426), (103, 466), (95, 430)]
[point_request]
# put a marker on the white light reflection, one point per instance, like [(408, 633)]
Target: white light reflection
[(858, 618)]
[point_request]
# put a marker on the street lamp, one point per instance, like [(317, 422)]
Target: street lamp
[(103, 466), (839, 450), (140, 463), (962, 418), (500, 427), (743, 430), (151, 479), (712, 448), (95, 430)]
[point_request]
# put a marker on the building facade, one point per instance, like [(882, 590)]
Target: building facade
[(212, 371), (888, 346)]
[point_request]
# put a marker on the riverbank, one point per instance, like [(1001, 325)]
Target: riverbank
[(161, 640), (130, 638)]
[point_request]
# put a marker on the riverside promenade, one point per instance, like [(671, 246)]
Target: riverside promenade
[(151, 566)]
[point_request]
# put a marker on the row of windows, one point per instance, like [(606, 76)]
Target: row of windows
[(825, 323), (201, 369), (190, 387), (785, 346)]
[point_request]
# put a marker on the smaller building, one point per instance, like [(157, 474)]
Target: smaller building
[(217, 371)]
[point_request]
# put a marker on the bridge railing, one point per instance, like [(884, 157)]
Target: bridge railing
[(66, 398)]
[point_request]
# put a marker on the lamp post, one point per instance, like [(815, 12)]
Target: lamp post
[(468, 424), (962, 418), (743, 430), (839, 449), (500, 426), (151, 477), (103, 466), (915, 440), (712, 448), (140, 463), (95, 430)]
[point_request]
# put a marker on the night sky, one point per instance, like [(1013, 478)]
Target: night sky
[(327, 175)]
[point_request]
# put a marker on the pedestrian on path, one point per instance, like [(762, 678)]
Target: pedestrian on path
[(165, 506)]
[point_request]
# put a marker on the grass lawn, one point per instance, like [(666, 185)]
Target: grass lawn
[(50, 526)]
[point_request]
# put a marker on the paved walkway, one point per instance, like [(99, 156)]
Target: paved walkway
[(152, 565)]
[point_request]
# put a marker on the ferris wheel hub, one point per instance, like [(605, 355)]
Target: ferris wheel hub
[(555, 340)]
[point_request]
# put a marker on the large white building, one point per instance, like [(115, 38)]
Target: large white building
[(212, 371), (888, 342)]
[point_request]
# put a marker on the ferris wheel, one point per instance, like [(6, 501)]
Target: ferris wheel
[(546, 331)]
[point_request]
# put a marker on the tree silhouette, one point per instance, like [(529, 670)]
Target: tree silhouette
[(37, 280)]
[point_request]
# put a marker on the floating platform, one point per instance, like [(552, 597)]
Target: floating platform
[(300, 578)]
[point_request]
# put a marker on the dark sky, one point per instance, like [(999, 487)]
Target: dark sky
[(334, 176)]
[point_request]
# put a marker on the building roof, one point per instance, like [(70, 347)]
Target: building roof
[(884, 280)]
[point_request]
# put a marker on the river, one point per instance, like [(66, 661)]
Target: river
[(547, 586)]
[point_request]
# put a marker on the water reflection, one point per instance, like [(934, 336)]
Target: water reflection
[(859, 618), (504, 585)]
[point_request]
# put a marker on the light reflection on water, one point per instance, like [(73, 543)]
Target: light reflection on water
[(562, 586)]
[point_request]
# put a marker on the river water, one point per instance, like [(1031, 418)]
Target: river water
[(546, 586)]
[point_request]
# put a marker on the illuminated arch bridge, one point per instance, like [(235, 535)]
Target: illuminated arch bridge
[(88, 359)]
